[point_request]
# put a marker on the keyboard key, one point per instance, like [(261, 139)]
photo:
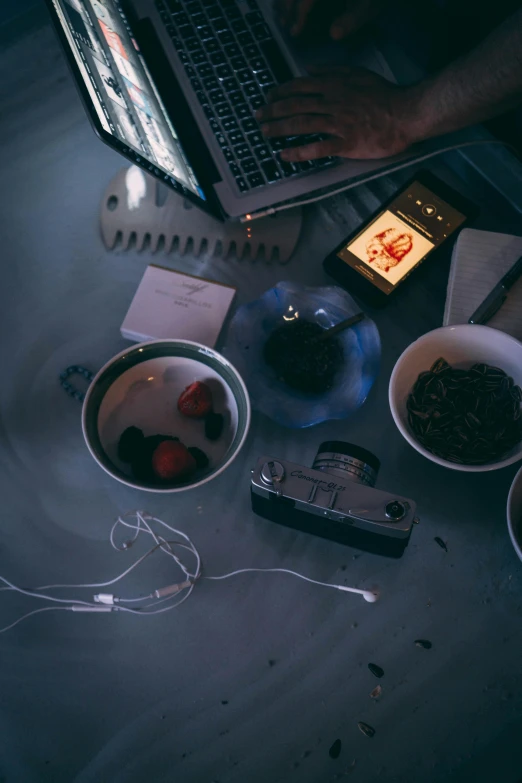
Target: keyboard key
[(277, 143), (209, 3), (212, 46), (258, 64), (256, 102), (242, 185), (205, 32), (288, 168), (230, 124), (232, 50), (193, 7), (223, 110), (211, 83), (196, 85), (255, 180), (193, 45), (243, 111), (202, 98), (305, 165), (228, 154), (186, 32), (265, 89), (251, 51), (251, 90), (209, 113), (180, 19), (174, 6), (183, 56), (254, 17), (261, 32), (249, 125), (224, 71), (236, 98), (249, 165), (234, 168), (244, 75), (256, 138), (219, 23), (214, 124), (276, 61), (190, 71), (218, 58), (263, 152), (264, 77), (233, 13), (230, 85), (221, 139), (226, 37), (236, 137), (270, 170), (242, 151), (216, 96), (245, 38), (198, 58), (238, 26), (198, 20), (205, 70), (238, 63)]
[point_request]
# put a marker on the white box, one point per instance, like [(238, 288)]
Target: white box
[(173, 305)]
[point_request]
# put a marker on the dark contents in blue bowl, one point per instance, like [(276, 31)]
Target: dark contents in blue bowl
[(302, 361)]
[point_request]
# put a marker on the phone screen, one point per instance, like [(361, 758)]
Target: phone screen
[(401, 236)]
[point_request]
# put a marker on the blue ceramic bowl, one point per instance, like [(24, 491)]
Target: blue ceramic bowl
[(254, 322)]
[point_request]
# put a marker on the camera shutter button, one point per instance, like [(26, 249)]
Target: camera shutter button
[(273, 473), (395, 511)]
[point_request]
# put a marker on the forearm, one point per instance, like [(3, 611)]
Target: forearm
[(481, 85)]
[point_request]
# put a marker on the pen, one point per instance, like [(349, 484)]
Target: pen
[(498, 296)]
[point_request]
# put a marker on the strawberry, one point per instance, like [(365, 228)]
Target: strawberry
[(196, 401), (172, 460)]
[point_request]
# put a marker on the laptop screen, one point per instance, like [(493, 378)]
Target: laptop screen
[(120, 87)]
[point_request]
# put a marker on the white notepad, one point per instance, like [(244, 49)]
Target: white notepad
[(480, 259)]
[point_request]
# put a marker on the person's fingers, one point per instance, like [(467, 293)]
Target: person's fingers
[(302, 124), (301, 11), (288, 107), (302, 86), (319, 149)]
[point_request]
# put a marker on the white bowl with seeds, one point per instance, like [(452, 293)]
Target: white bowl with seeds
[(465, 346)]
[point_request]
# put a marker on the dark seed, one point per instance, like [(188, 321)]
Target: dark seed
[(214, 426), (335, 750), (369, 731), (441, 543), (376, 670), (201, 458), (424, 643)]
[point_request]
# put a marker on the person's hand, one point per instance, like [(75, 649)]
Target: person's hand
[(363, 115), (294, 13)]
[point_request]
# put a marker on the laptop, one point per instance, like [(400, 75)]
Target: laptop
[(173, 86)]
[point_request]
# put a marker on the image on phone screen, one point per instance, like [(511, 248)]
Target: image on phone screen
[(401, 236)]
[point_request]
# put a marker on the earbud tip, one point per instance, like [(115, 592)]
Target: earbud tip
[(371, 596)]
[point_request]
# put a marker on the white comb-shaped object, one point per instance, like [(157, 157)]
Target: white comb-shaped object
[(137, 211)]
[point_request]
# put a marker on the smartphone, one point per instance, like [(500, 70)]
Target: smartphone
[(374, 261)]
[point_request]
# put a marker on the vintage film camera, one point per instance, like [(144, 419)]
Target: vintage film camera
[(334, 499)]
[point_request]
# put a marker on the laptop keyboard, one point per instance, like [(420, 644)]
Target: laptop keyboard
[(232, 61)]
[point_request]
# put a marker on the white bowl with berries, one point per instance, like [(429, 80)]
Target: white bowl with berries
[(166, 416)]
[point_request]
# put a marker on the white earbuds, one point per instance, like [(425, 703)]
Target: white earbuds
[(139, 522)]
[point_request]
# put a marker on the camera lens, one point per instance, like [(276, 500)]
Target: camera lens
[(348, 461)]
